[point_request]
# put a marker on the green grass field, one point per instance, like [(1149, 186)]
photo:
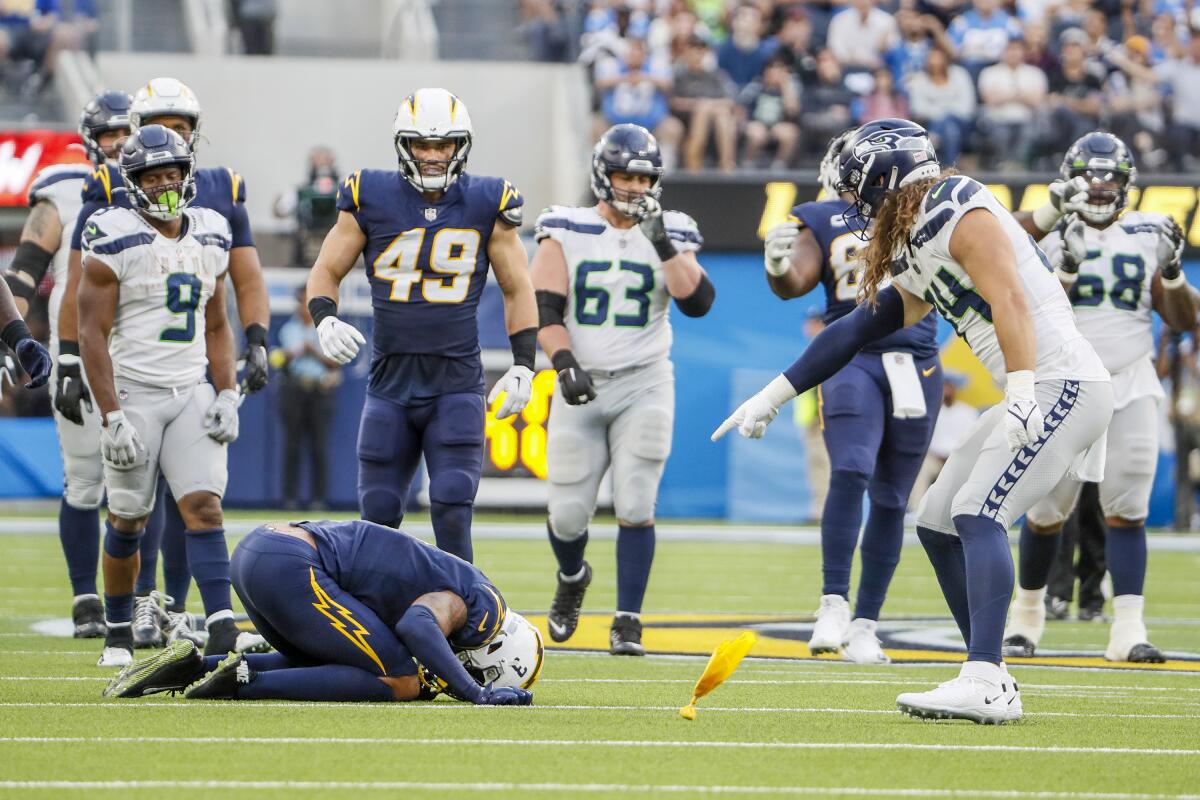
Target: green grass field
[(609, 727)]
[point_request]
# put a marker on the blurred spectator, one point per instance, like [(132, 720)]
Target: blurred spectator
[(1182, 76), (884, 101), (305, 404), (1095, 28), (704, 101), (313, 205), (1037, 50), (954, 423), (943, 10), (634, 89), (1075, 93), (744, 54), (255, 21), (31, 33), (827, 102), (671, 32), (942, 98), (607, 29), (545, 30), (979, 35), (1035, 11), (1135, 102), (1012, 92), (773, 106), (795, 40), (1165, 42), (918, 33), (860, 35)]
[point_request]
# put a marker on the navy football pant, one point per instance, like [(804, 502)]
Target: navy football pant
[(304, 614), (873, 452), (448, 431)]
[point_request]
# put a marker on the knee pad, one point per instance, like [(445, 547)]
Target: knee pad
[(568, 519), (381, 506), (652, 429), (1045, 516), (453, 487), (848, 480), (128, 505), (888, 495), (933, 512), (120, 545), (83, 493), (566, 458), (634, 500)]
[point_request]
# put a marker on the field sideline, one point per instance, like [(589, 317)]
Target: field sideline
[(605, 727)]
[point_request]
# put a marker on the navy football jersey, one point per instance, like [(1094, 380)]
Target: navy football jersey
[(388, 570), (839, 275), (427, 264), (217, 188)]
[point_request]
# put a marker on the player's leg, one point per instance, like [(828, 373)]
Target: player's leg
[(177, 578), (852, 416), (453, 447), (1060, 585), (1125, 498), (1091, 567), (149, 609), (389, 449), (639, 440)]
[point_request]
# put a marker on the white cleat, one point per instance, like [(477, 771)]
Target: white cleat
[(982, 693), (832, 626), (115, 657), (248, 642), (1013, 692), (862, 645)]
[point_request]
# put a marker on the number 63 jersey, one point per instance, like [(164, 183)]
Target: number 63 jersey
[(157, 337), (616, 292)]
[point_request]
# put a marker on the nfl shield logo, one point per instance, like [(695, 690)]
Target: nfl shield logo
[(430, 214)]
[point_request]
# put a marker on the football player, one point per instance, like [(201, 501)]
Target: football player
[(947, 243), (349, 606), (605, 276), (151, 321), (1117, 267), (428, 233), (877, 417), (34, 358), (54, 200)]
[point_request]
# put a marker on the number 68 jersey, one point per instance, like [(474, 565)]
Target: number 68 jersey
[(617, 294), (157, 336)]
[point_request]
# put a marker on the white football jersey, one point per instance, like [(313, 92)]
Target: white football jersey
[(157, 336), (616, 293), (1112, 299), (926, 268), (62, 186)]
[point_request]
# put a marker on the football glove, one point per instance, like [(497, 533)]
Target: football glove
[(221, 418), (1074, 250), (255, 359), (71, 394), (1170, 250), (120, 445), (1067, 196), (505, 696), (753, 416), (1023, 421), (36, 362), (574, 381), (517, 387), (650, 220), (777, 250), (339, 340)]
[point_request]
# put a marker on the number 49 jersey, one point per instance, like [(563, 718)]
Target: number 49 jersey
[(617, 296)]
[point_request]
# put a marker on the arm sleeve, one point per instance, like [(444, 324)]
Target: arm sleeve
[(419, 631)]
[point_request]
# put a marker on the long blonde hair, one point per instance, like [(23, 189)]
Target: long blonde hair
[(893, 224)]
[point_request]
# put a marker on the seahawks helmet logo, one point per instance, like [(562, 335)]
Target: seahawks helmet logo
[(890, 141)]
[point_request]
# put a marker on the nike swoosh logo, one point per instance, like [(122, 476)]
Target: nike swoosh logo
[(483, 622), (939, 191), (990, 700), (556, 629), (927, 372)]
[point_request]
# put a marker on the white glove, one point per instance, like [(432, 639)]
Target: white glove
[(339, 340), (753, 416), (777, 249), (1170, 253), (1023, 422), (221, 418), (1074, 252), (1066, 197), (120, 445), (517, 386)]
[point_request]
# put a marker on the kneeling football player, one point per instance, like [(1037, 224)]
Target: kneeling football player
[(349, 606)]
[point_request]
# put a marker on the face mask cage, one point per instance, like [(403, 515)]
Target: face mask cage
[(1107, 189), (410, 165), (165, 202), (626, 201)]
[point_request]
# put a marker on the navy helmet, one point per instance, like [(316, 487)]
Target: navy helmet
[(107, 111), (626, 148), (1106, 163), (151, 147), (881, 157)]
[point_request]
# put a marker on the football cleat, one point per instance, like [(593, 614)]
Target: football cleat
[(118, 647), (182, 625), (832, 625), (1127, 638), (1146, 653), (224, 637), (625, 636), (1057, 608), (223, 682), (564, 608), (150, 620), (87, 614), (862, 645), (1092, 614), (1017, 646), (170, 670), (982, 693)]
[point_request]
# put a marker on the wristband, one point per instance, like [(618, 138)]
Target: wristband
[(1176, 282), (524, 347), (14, 333), (779, 391), (68, 348), (1064, 277), (256, 334), (665, 248), (1019, 386), (114, 416), (1046, 216), (321, 307)]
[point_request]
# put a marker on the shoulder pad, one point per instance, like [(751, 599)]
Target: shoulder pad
[(511, 205), (957, 189), (567, 218), (111, 230), (54, 179), (237, 186), (208, 220), (349, 196)]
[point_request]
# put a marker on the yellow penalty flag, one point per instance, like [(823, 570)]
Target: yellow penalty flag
[(724, 661)]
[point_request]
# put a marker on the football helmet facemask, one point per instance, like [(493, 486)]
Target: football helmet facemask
[(1106, 163), (107, 111), (513, 658), (631, 149), (433, 115), (166, 97), (152, 147)]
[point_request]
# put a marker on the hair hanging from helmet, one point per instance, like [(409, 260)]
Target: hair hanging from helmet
[(893, 223)]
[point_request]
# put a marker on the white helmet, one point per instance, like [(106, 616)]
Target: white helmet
[(163, 97), (432, 114), (513, 658), (829, 172)]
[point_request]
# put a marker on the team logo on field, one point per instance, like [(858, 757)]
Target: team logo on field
[(430, 214)]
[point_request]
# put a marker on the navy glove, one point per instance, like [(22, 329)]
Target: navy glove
[(505, 696), (35, 361)]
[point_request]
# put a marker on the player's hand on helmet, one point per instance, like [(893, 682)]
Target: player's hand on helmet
[(650, 220), (71, 394), (1170, 249), (517, 386), (505, 696), (339, 340), (1069, 195), (753, 416), (574, 381), (257, 369), (36, 362), (221, 418), (1023, 421), (778, 247), (1075, 248), (120, 445)]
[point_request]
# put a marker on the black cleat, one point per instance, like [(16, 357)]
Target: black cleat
[(170, 670), (1091, 614), (223, 682), (564, 609), (224, 636), (1057, 608), (87, 612), (1017, 646), (625, 637), (1146, 653)]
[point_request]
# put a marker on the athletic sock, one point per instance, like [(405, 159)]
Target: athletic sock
[(118, 609), (1125, 552), (329, 683), (79, 533), (452, 529), (945, 553), (635, 555), (989, 573), (177, 578), (1036, 553), (880, 553), (840, 524), (151, 543), (208, 558), (569, 552)]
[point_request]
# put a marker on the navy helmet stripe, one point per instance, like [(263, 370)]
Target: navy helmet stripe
[(114, 246)]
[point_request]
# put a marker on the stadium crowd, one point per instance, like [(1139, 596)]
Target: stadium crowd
[(1002, 83)]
